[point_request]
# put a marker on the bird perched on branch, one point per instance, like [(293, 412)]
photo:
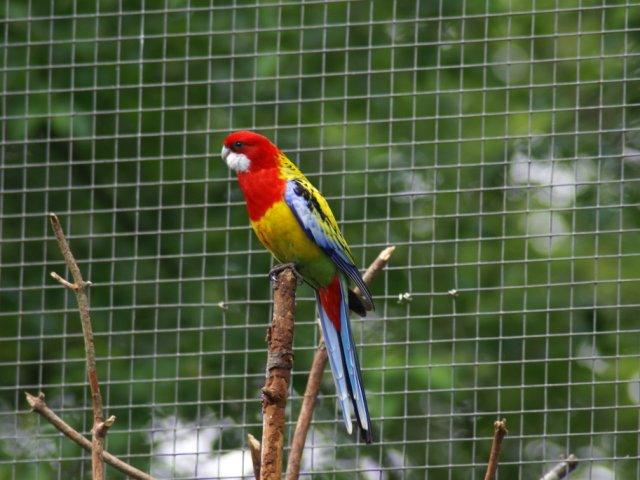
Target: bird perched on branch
[(294, 222)]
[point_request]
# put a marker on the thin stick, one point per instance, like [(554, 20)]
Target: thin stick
[(377, 265), (279, 365), (562, 469), (315, 378), (306, 412), (499, 431), (80, 287), (39, 406), (254, 447)]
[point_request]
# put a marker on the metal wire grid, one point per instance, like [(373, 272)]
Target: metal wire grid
[(495, 144)]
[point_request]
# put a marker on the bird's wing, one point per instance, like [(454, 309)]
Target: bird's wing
[(316, 219)]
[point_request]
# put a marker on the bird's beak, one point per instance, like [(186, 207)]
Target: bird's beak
[(225, 152)]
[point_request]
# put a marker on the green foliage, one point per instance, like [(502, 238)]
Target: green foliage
[(498, 149)]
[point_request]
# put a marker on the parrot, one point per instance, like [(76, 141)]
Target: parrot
[(294, 222)]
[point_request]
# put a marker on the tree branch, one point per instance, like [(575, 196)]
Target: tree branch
[(80, 287), (499, 431), (306, 412), (315, 378), (254, 447), (562, 469), (39, 406), (377, 266), (279, 365)]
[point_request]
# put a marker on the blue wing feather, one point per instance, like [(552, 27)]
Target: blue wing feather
[(320, 226)]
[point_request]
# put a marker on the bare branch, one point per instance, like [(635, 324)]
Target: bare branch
[(254, 447), (562, 469), (378, 265), (315, 378), (499, 431), (306, 412), (80, 289), (279, 365), (39, 406), (63, 282), (103, 427)]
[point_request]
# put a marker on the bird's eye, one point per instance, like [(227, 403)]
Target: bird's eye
[(238, 145)]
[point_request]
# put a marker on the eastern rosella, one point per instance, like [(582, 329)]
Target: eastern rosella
[(294, 222)]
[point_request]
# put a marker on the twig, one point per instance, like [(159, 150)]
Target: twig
[(80, 287), (562, 469), (279, 365), (254, 447), (315, 377), (306, 412), (62, 281), (499, 431), (377, 265), (39, 406)]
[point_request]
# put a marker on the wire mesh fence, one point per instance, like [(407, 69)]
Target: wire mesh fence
[(495, 144)]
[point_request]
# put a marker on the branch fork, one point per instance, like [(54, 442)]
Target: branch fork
[(71, 286), (267, 458), (100, 425)]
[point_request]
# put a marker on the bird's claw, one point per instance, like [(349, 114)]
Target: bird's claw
[(275, 271)]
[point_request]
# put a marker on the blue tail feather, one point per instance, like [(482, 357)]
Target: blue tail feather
[(355, 383), (345, 366), (334, 351)]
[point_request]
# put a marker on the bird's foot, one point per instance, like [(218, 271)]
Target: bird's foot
[(275, 271)]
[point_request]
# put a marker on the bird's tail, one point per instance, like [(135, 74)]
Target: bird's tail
[(334, 317)]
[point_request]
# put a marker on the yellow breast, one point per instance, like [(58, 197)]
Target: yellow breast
[(280, 232)]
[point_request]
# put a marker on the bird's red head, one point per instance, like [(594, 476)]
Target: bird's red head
[(246, 151)]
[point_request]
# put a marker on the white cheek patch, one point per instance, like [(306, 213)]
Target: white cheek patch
[(238, 161)]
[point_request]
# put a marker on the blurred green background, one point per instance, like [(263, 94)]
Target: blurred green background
[(496, 144)]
